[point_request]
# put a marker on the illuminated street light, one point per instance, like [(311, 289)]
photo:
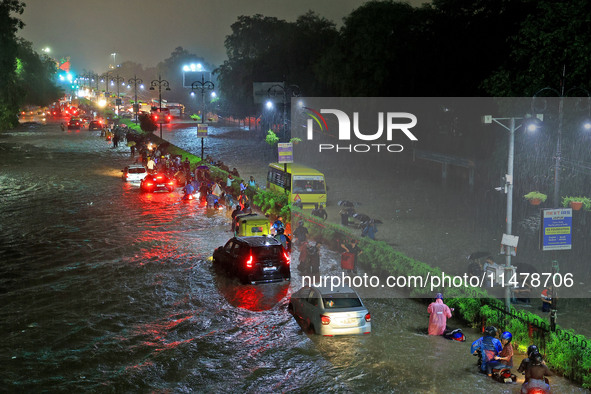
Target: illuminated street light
[(202, 86), (105, 78), (117, 80), (136, 107), (160, 83), (586, 126), (284, 90)]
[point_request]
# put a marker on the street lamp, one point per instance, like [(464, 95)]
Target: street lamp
[(202, 86), (118, 80), (135, 80), (160, 83), (275, 90), (561, 95), (488, 119), (106, 76)]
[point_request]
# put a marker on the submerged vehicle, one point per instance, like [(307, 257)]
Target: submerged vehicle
[(329, 312)]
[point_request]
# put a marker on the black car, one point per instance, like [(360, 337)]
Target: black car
[(155, 182), (95, 125), (254, 259), (75, 123)]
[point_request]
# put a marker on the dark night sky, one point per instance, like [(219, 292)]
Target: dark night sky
[(147, 31)]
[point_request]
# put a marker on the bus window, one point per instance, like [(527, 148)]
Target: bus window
[(305, 185)]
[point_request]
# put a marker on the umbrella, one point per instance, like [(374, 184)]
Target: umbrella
[(202, 167), (362, 217), (348, 211), (131, 143), (346, 203)]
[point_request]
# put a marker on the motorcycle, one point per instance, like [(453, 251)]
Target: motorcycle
[(501, 374)]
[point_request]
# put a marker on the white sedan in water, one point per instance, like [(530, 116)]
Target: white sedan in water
[(330, 312), (134, 173)]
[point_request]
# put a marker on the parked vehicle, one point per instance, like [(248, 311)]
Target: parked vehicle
[(134, 173), (254, 259), (330, 312)]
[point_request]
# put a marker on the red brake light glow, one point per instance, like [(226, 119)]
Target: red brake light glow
[(325, 320), (287, 259), (368, 317), (249, 262)]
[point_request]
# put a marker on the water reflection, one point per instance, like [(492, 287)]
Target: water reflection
[(254, 298)]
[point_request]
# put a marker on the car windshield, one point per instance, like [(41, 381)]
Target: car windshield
[(267, 252), (334, 301)]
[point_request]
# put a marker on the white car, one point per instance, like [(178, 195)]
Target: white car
[(330, 312), (134, 173)]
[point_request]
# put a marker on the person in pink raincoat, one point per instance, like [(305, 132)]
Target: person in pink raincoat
[(439, 313)]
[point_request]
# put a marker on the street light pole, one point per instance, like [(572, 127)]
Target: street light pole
[(561, 95), (135, 80), (160, 83), (202, 86), (106, 76), (118, 80), (509, 189), (293, 90)]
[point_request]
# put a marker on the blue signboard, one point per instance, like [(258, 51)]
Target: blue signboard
[(556, 229)]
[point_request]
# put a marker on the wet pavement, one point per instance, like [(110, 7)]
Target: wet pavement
[(103, 288)]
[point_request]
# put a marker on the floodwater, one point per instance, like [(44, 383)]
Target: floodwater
[(106, 289)]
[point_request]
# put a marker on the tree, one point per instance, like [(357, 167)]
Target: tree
[(34, 76), (553, 35), (9, 93)]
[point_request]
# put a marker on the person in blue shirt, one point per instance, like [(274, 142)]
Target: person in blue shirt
[(488, 347), (188, 190)]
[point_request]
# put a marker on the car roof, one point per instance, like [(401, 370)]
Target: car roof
[(335, 290), (258, 240), (251, 216), (135, 166)]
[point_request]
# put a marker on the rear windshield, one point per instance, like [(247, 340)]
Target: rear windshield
[(341, 301), (267, 252), (137, 170)]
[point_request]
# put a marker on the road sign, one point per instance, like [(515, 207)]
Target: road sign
[(285, 152), (556, 229), (202, 130)]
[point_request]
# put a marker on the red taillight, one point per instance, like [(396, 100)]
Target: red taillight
[(149, 184), (155, 117), (287, 259), (325, 320), (368, 317), (171, 183), (168, 118), (249, 262), (159, 177)]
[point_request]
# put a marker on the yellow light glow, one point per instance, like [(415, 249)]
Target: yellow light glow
[(102, 102)]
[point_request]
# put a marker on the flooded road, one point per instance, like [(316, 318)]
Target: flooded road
[(105, 289)]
